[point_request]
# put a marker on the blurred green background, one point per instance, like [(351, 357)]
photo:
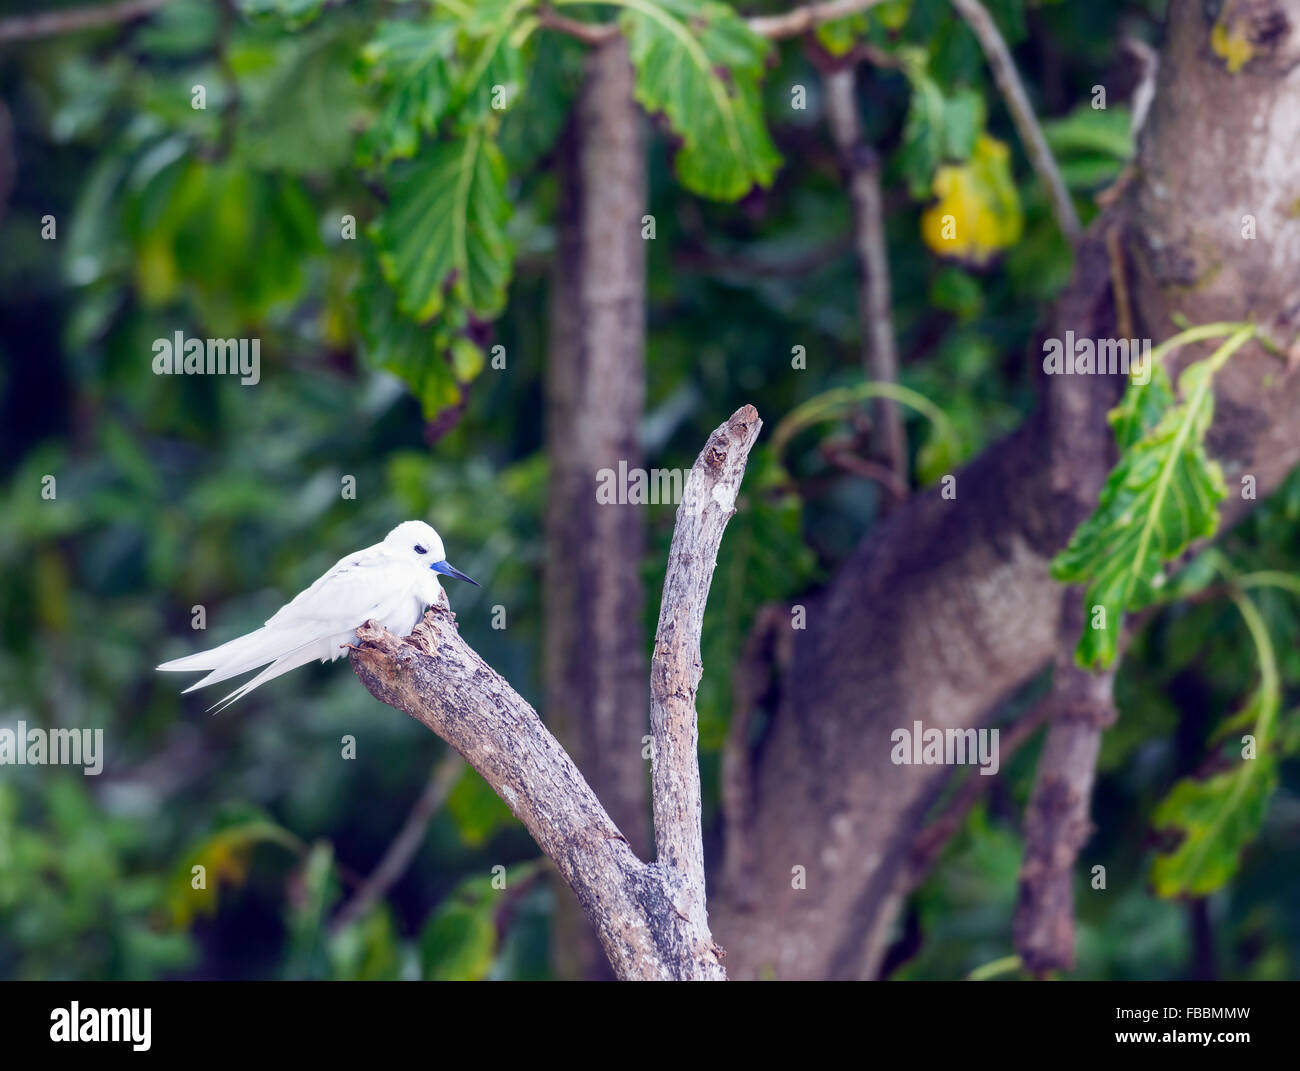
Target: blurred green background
[(180, 491)]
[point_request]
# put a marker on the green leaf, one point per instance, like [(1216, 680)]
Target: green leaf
[(494, 59), (478, 811), (699, 64), (939, 128), (299, 118), (534, 120), (224, 856), (1162, 495), (412, 60), (838, 36), (1141, 408), (1090, 145), (314, 889), (296, 13), (444, 228), (458, 942), (412, 352), (1217, 818)]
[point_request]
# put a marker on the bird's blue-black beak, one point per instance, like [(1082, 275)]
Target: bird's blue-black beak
[(447, 569)]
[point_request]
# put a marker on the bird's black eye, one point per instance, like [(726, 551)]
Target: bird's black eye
[(421, 550)]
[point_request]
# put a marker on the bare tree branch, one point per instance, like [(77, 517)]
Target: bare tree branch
[(708, 503), (875, 305), (802, 19), (49, 23), (650, 917), (404, 846), (774, 27), (1022, 113), (1057, 823), (589, 33)]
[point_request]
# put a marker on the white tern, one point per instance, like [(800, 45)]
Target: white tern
[(391, 583)]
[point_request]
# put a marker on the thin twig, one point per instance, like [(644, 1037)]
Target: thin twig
[(50, 23), (844, 458), (802, 19), (774, 27), (1022, 113), (875, 305), (402, 850), (589, 33)]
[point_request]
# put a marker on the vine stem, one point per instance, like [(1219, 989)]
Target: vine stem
[(826, 405)]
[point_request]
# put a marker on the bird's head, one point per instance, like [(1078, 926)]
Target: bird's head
[(419, 542)]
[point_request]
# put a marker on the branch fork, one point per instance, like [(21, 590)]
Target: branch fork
[(651, 918)]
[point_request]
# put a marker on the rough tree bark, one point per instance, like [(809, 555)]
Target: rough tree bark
[(595, 644), (651, 917), (948, 607)]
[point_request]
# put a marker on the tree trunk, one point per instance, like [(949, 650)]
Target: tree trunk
[(595, 646), (947, 606)]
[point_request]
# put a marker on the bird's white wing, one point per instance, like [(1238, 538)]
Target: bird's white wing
[(354, 590), (367, 584)]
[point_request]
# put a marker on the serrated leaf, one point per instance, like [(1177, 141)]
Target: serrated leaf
[(444, 229), (493, 60), (1162, 495), (699, 64), (1141, 408), (413, 60), (1217, 818)]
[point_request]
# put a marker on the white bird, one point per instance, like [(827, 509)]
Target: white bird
[(391, 583)]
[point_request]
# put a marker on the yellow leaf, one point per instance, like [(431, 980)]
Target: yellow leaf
[(977, 211)]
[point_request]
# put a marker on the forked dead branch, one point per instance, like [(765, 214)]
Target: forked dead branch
[(651, 917)]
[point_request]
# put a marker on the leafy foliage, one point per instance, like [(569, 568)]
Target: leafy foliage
[(1218, 816), (699, 64), (444, 227), (1162, 495)]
